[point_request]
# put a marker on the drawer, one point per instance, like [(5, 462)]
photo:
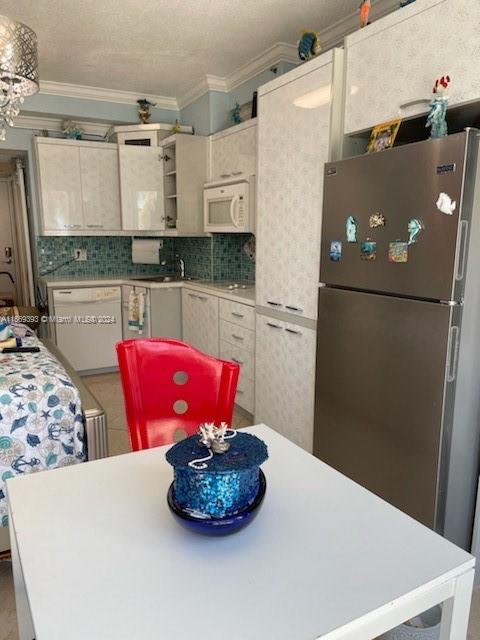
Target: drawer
[(245, 394), (241, 356), (239, 336), (238, 313)]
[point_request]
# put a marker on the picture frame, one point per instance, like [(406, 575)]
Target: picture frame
[(383, 136)]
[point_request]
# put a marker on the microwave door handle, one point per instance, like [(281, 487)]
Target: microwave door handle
[(234, 211)]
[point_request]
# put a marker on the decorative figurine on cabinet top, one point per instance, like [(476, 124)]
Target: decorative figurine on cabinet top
[(144, 110), (436, 119), (365, 9), (71, 130), (309, 45), (236, 117)]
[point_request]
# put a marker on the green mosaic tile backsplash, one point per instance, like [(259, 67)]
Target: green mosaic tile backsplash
[(218, 258)]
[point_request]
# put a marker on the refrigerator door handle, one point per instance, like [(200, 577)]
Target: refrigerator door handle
[(462, 250), (452, 354)]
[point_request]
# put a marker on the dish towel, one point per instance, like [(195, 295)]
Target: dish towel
[(136, 311)]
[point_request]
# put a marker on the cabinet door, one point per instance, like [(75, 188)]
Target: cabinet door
[(285, 379), (141, 187), (234, 155), (200, 321), (100, 188), (293, 145), (392, 68), (61, 188)]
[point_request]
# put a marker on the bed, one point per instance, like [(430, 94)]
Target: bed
[(47, 418)]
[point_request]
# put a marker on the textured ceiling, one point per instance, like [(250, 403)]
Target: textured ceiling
[(162, 47)]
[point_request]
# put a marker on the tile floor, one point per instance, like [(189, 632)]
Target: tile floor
[(106, 388)]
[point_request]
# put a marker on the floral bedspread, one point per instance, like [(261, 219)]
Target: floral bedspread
[(41, 419)]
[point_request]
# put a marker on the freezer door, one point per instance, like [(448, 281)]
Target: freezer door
[(380, 383), (401, 184)]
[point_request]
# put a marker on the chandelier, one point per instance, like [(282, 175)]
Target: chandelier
[(18, 69)]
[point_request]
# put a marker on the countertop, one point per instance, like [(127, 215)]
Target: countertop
[(218, 288)]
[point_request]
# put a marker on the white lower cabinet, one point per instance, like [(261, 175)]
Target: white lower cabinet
[(285, 379), (200, 321)]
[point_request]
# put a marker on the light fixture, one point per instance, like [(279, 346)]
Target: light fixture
[(18, 69)]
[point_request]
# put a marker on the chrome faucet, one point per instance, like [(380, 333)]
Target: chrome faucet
[(181, 264)]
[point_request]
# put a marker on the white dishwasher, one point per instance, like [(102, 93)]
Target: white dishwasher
[(88, 324)]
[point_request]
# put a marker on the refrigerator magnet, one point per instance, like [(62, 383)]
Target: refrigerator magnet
[(335, 250), (351, 228), (377, 220), (445, 204), (414, 228), (368, 250), (398, 251)]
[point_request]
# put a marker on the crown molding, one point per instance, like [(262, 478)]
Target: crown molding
[(208, 83), (85, 92), (279, 52), (44, 123)]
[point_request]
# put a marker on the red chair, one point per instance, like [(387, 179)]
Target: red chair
[(169, 386)]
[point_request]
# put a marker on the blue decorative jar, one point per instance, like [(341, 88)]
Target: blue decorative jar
[(228, 484)]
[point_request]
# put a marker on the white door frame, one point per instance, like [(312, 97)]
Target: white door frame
[(24, 251)]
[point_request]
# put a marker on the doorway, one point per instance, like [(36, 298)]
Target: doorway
[(16, 277)]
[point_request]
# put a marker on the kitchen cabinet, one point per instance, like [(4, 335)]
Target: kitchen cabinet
[(285, 379), (185, 173), (79, 190), (60, 186), (299, 129), (392, 65), (200, 321), (166, 313), (233, 152), (100, 187), (141, 188)]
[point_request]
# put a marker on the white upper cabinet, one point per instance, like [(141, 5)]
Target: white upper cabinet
[(234, 152), (393, 63), (141, 183), (299, 126), (60, 187), (100, 187)]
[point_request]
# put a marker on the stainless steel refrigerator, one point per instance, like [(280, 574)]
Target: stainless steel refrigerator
[(398, 357)]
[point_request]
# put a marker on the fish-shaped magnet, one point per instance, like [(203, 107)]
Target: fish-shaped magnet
[(445, 204), (414, 228), (335, 250), (351, 228)]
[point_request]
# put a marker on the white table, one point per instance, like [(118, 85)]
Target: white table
[(97, 555)]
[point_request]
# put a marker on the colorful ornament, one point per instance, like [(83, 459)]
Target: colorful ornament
[(436, 119), (236, 119), (365, 9), (414, 228), (144, 110), (398, 252), (72, 130), (368, 250), (335, 250), (309, 45), (176, 127)]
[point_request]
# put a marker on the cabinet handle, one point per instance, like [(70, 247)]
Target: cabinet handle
[(225, 175), (298, 309), (192, 295), (297, 333), (237, 360), (412, 103), (234, 335), (274, 304), (202, 297), (274, 326), (95, 226), (237, 173), (237, 315), (240, 391)]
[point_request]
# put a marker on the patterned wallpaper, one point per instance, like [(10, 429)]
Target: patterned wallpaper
[(218, 258)]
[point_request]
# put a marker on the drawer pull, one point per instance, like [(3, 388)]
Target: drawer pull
[(237, 315), (234, 335), (297, 333), (95, 226), (274, 326), (202, 297), (291, 308), (412, 103), (225, 175), (237, 173), (274, 304), (240, 391), (192, 295), (237, 360)]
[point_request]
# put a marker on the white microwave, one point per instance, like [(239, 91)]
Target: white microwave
[(229, 207)]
